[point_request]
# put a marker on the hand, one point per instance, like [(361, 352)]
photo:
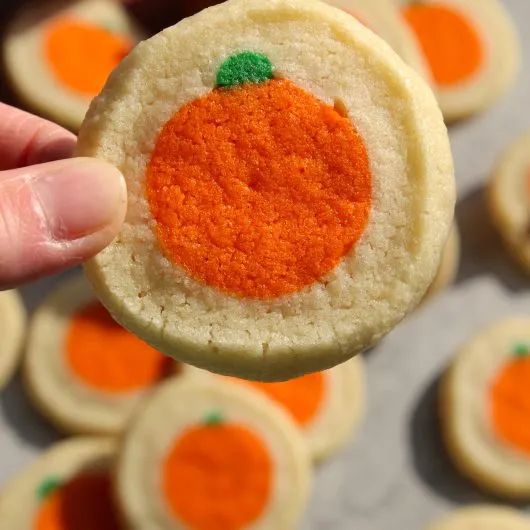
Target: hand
[(55, 211)]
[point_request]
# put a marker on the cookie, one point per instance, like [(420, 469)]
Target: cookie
[(207, 453), (12, 329), (471, 47), (383, 18), (67, 488), (484, 408), (289, 197), (85, 372), (509, 199), (484, 517), (59, 54), (448, 268), (327, 406)]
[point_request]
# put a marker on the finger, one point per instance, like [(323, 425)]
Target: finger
[(56, 215), (26, 139)]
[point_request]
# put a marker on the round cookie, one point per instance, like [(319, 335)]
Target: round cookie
[(383, 18), (471, 47), (209, 454), (67, 488), (448, 268), (484, 409), (327, 406), (59, 54), (286, 210), (85, 372), (12, 327), (509, 199), (483, 517)]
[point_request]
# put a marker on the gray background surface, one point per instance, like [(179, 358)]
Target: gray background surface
[(395, 474)]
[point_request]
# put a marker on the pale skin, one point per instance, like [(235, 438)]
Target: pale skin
[(56, 211)]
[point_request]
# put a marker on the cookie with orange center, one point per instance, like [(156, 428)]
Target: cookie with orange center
[(59, 54), (12, 328), (67, 488), (509, 199), (84, 371), (483, 517), (471, 47), (290, 188), (208, 454), (485, 407), (327, 406)]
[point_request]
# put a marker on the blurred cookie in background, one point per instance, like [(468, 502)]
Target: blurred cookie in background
[(471, 47), (383, 18), (211, 454), (483, 517), (485, 407), (509, 199), (327, 406), (58, 55), (85, 372), (68, 487), (12, 328)]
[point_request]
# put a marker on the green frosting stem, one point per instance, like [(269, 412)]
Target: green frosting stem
[(213, 418), (244, 67), (47, 487)]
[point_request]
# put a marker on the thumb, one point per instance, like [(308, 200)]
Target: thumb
[(56, 215)]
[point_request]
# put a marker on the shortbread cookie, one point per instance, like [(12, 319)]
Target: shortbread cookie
[(327, 406), (290, 188), (471, 47), (205, 451), (383, 17), (66, 488), (484, 517), (59, 54), (509, 199), (485, 404), (85, 372), (448, 268), (12, 328)]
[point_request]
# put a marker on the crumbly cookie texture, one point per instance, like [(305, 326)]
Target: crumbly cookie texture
[(483, 517), (28, 68), (69, 401), (509, 199), (207, 409), (12, 327), (56, 466), (500, 62), (377, 282), (466, 405)]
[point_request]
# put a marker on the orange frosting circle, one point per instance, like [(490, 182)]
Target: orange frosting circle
[(84, 503), (107, 357), (450, 41), (259, 190), (218, 477), (510, 404), (83, 55)]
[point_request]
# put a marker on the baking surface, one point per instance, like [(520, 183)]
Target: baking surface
[(395, 475)]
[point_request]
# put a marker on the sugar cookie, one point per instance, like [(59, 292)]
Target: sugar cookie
[(12, 327), (59, 54), (472, 49), (85, 372), (484, 517), (383, 17), (204, 451), (448, 268), (66, 488), (289, 198), (509, 199), (484, 405)]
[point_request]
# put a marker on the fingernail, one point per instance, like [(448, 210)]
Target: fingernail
[(79, 197)]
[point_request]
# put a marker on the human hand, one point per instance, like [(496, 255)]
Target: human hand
[(55, 211)]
